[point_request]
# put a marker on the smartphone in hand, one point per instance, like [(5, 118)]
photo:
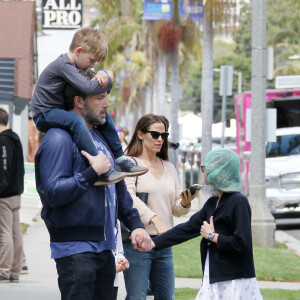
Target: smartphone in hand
[(195, 187)]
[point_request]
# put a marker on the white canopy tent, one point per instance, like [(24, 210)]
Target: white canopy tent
[(191, 128)]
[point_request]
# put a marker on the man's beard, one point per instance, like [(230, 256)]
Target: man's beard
[(91, 117)]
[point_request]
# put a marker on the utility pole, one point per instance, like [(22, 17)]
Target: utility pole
[(225, 90), (263, 225), (175, 90)]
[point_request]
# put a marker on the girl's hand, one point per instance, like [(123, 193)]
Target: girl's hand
[(207, 228)]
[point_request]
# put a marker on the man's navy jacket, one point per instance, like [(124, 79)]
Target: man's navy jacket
[(73, 208)]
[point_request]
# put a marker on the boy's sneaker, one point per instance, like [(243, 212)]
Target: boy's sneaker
[(14, 280), (110, 177), (4, 279), (129, 168), (24, 270)]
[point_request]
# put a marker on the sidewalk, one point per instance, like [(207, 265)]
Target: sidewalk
[(41, 281)]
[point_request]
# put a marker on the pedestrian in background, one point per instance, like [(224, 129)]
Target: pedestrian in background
[(11, 188), (149, 148), (225, 224)]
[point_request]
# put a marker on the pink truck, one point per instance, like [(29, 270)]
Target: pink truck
[(287, 103)]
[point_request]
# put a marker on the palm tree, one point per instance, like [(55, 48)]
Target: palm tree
[(126, 33), (122, 25), (217, 14)]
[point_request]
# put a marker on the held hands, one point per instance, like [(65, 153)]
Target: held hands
[(158, 225), (141, 240), (121, 264), (99, 163), (207, 228), (102, 78), (187, 197)]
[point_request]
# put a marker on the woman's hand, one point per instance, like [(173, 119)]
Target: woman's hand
[(187, 197), (158, 225), (207, 228)]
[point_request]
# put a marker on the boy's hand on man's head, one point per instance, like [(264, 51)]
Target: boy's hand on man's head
[(102, 78)]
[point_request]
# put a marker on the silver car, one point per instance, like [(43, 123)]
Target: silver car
[(283, 173)]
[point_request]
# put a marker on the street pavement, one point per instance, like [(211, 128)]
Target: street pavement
[(41, 281)]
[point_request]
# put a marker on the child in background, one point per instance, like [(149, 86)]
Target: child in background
[(121, 262), (87, 47)]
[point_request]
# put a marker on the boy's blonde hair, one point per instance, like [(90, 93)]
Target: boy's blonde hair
[(92, 41)]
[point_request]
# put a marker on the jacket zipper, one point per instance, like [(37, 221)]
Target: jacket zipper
[(104, 187), (105, 202)]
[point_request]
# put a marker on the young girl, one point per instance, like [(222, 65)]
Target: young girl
[(225, 224)]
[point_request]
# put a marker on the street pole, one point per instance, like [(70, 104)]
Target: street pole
[(239, 81), (224, 100), (225, 90), (175, 90), (263, 225)]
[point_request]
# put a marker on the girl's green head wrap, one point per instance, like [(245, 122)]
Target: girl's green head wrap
[(223, 169)]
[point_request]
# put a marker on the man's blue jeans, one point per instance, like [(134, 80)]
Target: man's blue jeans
[(154, 265), (67, 120), (88, 276)]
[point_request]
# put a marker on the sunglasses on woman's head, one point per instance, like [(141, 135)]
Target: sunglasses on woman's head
[(155, 134)]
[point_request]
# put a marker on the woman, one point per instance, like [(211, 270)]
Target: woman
[(149, 148), (225, 224)]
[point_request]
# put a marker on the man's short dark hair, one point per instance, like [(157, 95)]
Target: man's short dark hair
[(3, 117), (71, 92)]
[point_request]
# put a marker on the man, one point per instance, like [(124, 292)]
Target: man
[(81, 217), (11, 188)]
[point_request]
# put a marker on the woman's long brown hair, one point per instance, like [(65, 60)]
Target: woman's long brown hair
[(135, 146)]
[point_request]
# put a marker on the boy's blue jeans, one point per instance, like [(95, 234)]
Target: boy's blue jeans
[(67, 120)]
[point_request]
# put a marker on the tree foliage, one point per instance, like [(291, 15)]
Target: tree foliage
[(283, 24), (192, 88), (122, 24)]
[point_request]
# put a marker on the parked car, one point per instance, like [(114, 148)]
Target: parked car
[(283, 173)]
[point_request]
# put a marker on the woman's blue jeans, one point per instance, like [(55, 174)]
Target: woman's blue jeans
[(156, 265)]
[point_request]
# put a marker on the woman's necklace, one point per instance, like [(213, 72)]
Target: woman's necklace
[(150, 164)]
